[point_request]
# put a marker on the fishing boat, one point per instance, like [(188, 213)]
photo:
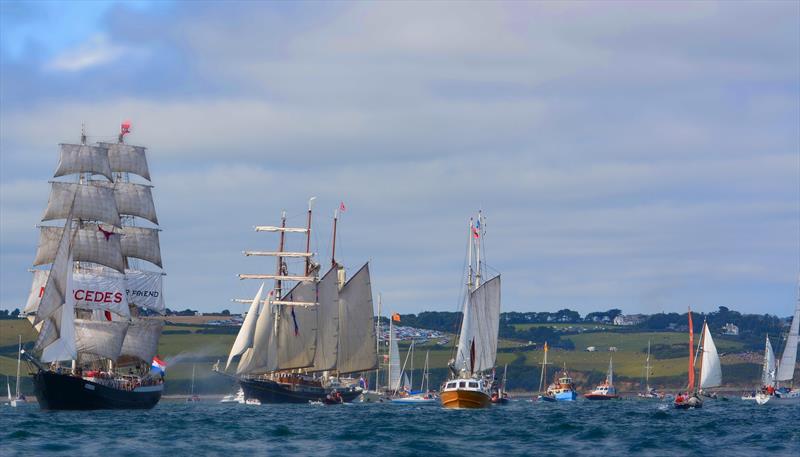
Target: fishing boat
[(296, 346), (19, 398), (238, 397), (93, 349), (649, 393), (606, 390), (192, 397), (469, 384), (500, 396), (563, 389), (710, 370)]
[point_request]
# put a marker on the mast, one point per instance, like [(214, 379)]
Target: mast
[(478, 240), (333, 238), (308, 235), (411, 381), (389, 370), (279, 268), (192, 392), (19, 353), (469, 269), (691, 353), (378, 342), (544, 364), (647, 368), (425, 380)]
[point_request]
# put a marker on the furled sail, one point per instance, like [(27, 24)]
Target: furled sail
[(145, 290), (328, 331), (789, 357), (82, 158), (263, 356), (99, 339), (141, 340), (132, 199), (711, 370), (244, 339), (356, 331), (141, 243), (297, 328), (92, 203), (394, 359), (92, 243), (479, 328), (125, 158), (768, 370)]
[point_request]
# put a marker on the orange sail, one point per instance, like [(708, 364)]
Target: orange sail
[(691, 353)]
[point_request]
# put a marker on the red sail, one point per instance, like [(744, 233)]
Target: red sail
[(691, 353)]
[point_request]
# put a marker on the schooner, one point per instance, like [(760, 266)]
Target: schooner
[(94, 346), (295, 345), (470, 381)]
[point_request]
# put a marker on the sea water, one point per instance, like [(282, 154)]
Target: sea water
[(613, 428)]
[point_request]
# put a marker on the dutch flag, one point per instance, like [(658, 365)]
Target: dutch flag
[(158, 365)]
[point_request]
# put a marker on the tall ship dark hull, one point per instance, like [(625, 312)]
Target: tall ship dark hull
[(56, 391), (269, 391)]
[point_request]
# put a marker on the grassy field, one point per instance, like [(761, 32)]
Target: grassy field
[(564, 326), (182, 350)]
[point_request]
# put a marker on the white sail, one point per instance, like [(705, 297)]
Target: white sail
[(57, 336), (394, 359), (297, 329), (141, 243), (141, 340), (406, 382), (327, 353), (244, 339), (146, 290), (95, 290), (91, 243), (99, 339), (789, 357), (356, 331), (768, 369), (82, 158), (92, 203), (263, 356), (125, 158), (57, 287), (479, 328), (132, 199), (711, 369), (37, 290)]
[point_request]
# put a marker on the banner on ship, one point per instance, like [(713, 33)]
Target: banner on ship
[(90, 291), (145, 290)]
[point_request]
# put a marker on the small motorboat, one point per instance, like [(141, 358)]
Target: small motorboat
[(429, 398), (606, 390), (333, 398), (688, 401), (238, 397)]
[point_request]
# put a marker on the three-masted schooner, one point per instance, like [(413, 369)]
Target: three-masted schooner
[(93, 350), (296, 345), (470, 381)]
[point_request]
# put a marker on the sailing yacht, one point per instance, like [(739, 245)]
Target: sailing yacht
[(470, 383), (93, 351), (295, 346), (422, 397), (500, 396), (19, 398), (710, 369), (192, 397), (786, 367), (606, 390), (649, 392)]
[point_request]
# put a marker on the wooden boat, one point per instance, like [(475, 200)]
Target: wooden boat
[(710, 369), (470, 384)]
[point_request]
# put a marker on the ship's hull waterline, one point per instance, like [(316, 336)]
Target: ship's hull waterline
[(268, 391), (471, 399), (56, 391)]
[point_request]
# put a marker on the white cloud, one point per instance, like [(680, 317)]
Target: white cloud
[(97, 50)]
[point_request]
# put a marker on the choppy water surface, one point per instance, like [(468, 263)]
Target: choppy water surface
[(629, 427)]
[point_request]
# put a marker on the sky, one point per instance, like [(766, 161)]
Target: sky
[(634, 155)]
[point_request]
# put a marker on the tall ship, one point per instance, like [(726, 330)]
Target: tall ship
[(95, 344), (469, 384), (298, 344), (710, 369)]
